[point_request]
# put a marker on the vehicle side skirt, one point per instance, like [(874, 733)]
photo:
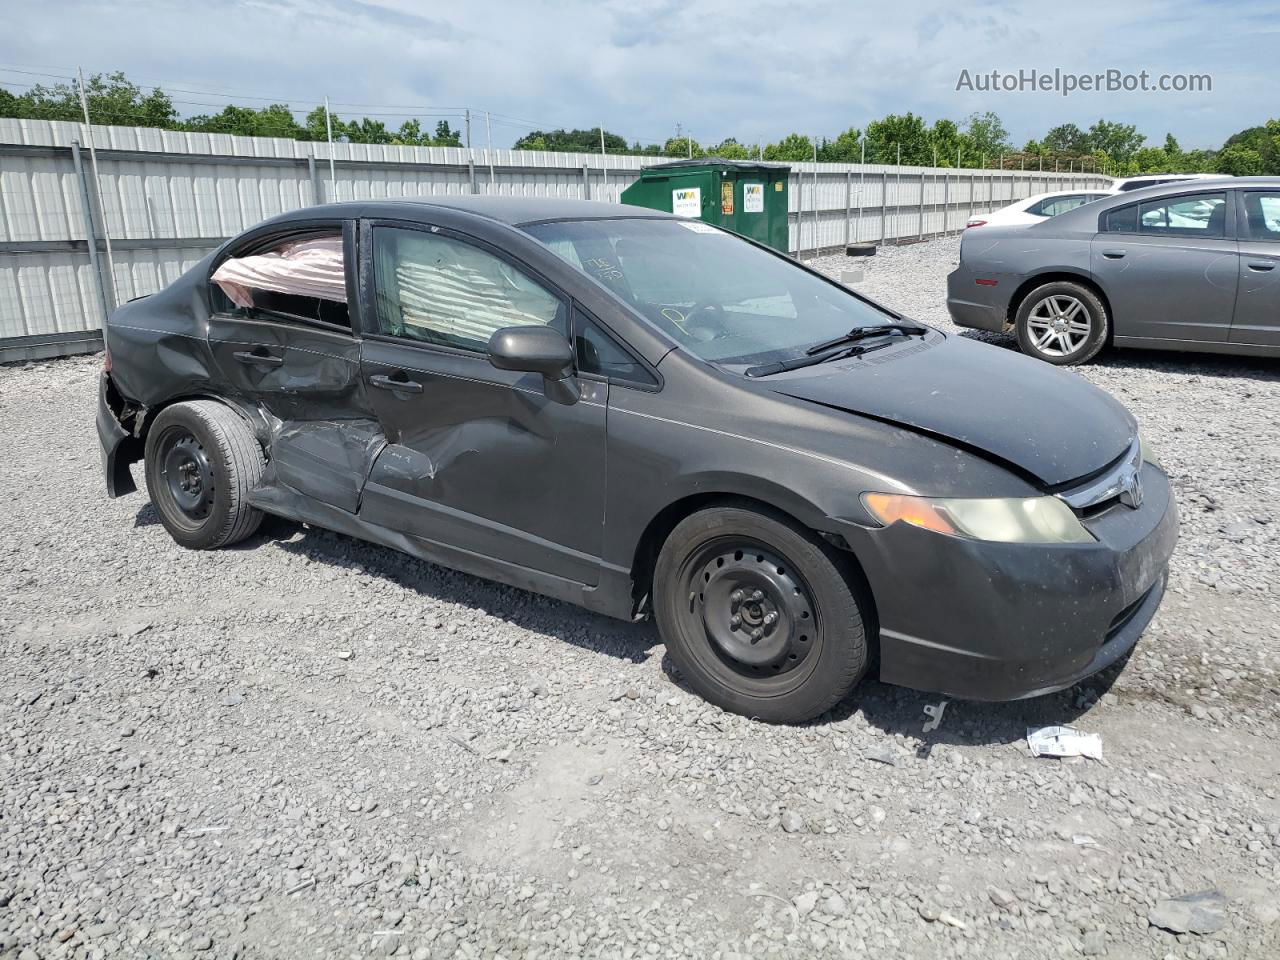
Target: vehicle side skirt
[(611, 597)]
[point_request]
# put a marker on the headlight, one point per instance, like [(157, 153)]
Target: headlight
[(1003, 520)]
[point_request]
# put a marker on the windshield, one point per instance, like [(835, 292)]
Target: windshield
[(722, 298)]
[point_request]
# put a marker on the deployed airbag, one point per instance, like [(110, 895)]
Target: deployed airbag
[(307, 268)]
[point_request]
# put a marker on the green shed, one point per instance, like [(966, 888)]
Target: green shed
[(745, 196)]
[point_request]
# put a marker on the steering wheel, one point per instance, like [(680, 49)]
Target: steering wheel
[(705, 321)]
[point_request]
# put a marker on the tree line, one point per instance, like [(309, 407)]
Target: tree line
[(980, 140)]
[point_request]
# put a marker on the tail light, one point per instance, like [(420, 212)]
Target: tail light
[(975, 223), (106, 358)]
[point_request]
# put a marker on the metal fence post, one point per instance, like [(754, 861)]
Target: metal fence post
[(884, 206), (862, 197), (848, 205), (90, 230), (799, 214), (920, 235), (315, 178), (817, 241), (946, 203)]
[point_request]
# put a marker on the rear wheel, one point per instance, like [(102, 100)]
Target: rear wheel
[(1062, 323), (201, 461), (757, 615)]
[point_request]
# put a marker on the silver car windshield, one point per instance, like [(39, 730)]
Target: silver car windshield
[(722, 298)]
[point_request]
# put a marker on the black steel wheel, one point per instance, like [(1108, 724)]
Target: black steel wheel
[(201, 461), (188, 476), (757, 614)]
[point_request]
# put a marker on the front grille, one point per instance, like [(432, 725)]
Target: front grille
[(1099, 493)]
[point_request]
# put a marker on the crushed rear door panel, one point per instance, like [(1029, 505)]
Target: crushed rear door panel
[(306, 381)]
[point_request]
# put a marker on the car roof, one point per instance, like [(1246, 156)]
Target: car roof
[(514, 211), (1088, 214)]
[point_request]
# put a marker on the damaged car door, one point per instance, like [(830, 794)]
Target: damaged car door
[(478, 459), (294, 357)]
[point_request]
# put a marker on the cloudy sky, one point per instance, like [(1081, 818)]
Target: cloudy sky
[(721, 68)]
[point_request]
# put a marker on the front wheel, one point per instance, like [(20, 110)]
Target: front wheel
[(1062, 323), (757, 615)]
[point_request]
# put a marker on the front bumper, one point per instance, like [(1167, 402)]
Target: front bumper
[(997, 621)]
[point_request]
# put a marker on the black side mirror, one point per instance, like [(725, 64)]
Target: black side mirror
[(537, 350)]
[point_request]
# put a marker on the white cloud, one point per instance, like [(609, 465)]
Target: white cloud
[(744, 68)]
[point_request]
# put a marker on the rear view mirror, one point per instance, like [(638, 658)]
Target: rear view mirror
[(537, 350)]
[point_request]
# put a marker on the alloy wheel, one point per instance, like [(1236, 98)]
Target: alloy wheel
[(1059, 325)]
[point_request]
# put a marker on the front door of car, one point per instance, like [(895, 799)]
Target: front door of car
[(1257, 318), (295, 359), (1169, 267), (477, 459)]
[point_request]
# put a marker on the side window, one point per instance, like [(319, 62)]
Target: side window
[(302, 278), (1122, 220), (1198, 215), (601, 355), (433, 289), (1056, 205), (1261, 215)]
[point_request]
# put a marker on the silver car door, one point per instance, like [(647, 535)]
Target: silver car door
[(1257, 318), (1169, 267)]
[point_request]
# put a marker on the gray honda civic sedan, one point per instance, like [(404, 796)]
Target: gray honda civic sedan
[(648, 416), (1193, 265)]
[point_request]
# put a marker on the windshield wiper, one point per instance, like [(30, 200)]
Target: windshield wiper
[(862, 333), (780, 366)]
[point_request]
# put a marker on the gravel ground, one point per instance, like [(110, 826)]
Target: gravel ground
[(308, 746)]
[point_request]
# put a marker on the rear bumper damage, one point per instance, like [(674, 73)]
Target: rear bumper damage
[(117, 445)]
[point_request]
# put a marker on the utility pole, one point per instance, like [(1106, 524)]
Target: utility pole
[(328, 129), (488, 150), (468, 116), (97, 185), (604, 168)]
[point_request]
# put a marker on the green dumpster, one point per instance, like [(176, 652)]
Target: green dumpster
[(745, 196)]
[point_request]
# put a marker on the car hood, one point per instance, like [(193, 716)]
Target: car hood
[(1040, 420)]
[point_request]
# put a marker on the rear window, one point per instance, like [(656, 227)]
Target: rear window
[(301, 278), (1122, 220)]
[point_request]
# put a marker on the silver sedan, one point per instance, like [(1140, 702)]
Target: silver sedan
[(1179, 266)]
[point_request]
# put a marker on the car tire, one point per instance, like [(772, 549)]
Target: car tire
[(729, 562), (201, 461), (1062, 323)]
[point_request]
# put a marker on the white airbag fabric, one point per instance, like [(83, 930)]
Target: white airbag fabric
[(308, 268)]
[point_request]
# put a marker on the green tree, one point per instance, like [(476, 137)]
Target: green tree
[(845, 148), (895, 132), (112, 100), (793, 148), (1240, 161), (1119, 141), (273, 121), (574, 141), (1066, 139), (682, 147), (987, 136), (731, 149)]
